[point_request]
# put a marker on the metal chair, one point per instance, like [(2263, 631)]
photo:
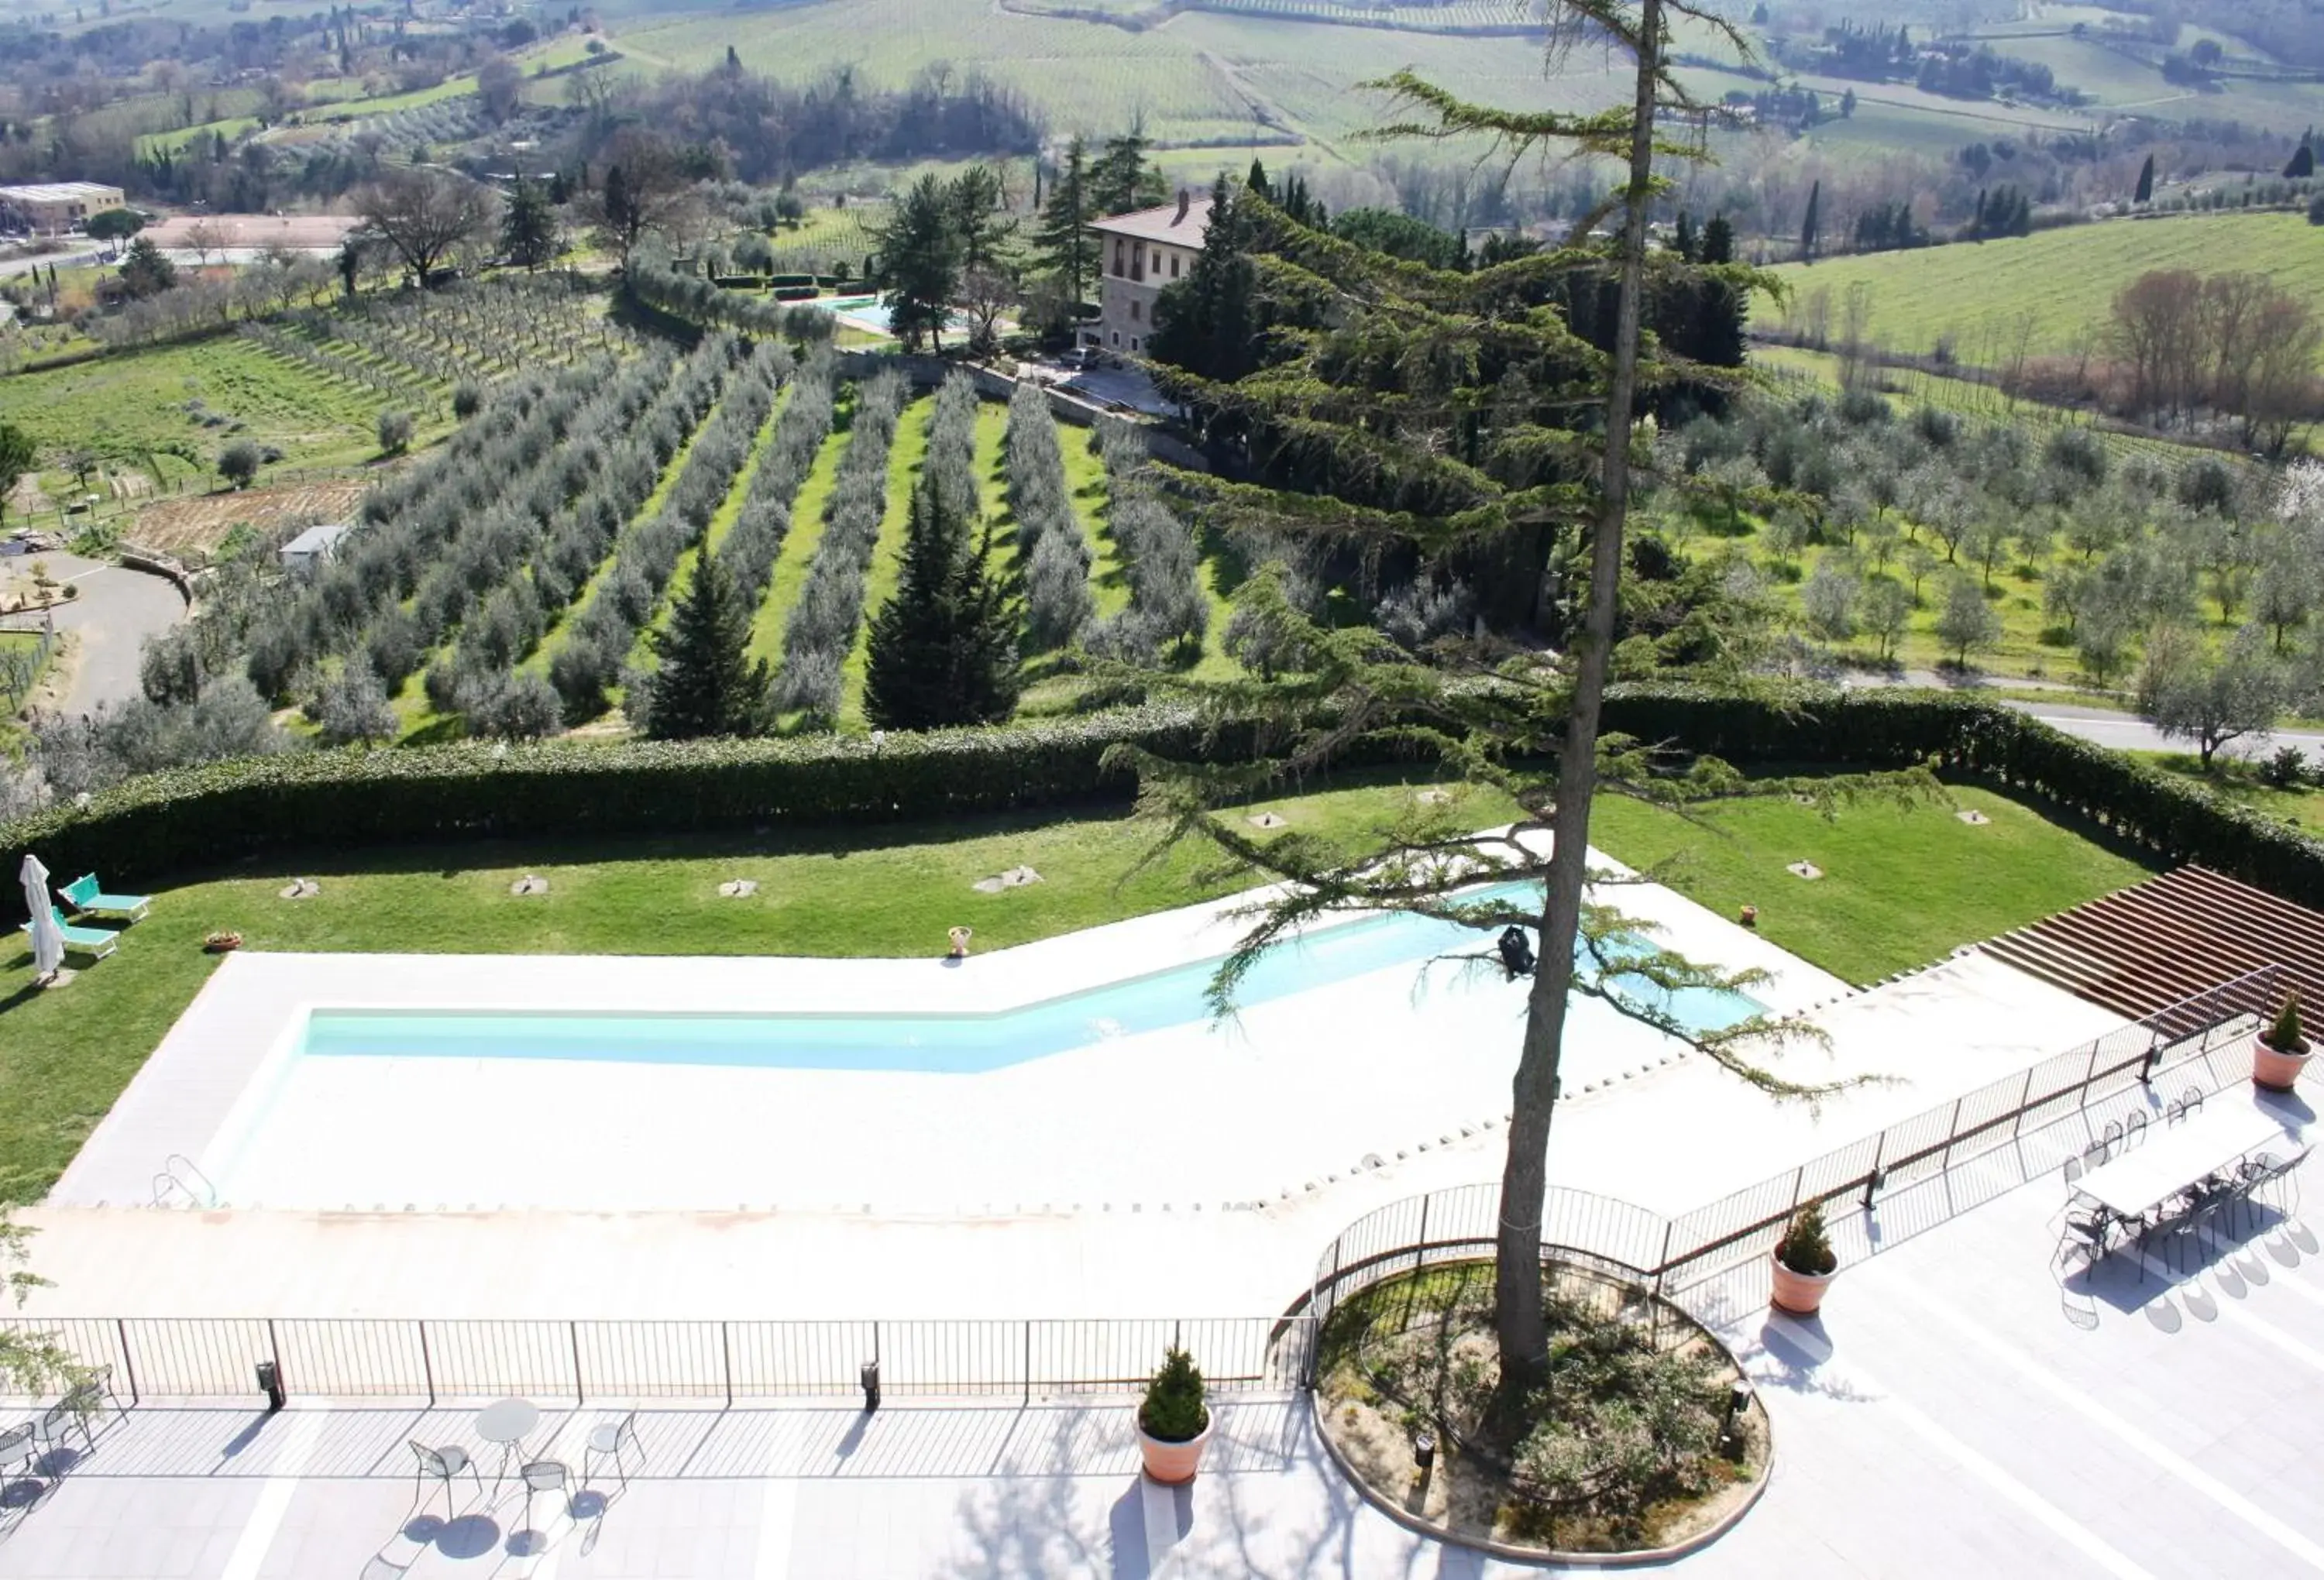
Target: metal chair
[(2134, 1127), (2094, 1156), (613, 1438), (2191, 1102), (68, 1415), (547, 1475), (2112, 1136), (2073, 1173), (16, 1452), (379, 1569), (443, 1465)]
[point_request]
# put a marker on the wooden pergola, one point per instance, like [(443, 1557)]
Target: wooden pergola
[(2142, 950)]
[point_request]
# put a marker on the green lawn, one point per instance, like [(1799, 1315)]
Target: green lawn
[(127, 405), (1902, 885), (2066, 277)]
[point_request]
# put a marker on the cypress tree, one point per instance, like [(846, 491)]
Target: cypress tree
[(944, 648), (706, 684), (1811, 228), (1719, 240), (2145, 192)]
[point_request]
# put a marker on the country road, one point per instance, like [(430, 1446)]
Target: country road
[(2127, 732)]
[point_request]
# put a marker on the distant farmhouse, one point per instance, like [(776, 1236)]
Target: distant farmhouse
[(1141, 252), (56, 207)]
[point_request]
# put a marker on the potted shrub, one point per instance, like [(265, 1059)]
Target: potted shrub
[(1804, 1262), (1174, 1423), (2280, 1051)]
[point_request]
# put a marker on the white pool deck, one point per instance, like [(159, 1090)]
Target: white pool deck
[(1195, 1172)]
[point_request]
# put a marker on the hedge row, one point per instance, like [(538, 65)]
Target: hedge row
[(145, 831)]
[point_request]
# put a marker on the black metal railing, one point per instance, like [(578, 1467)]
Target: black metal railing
[(438, 1359), (361, 1357), (1670, 1255)]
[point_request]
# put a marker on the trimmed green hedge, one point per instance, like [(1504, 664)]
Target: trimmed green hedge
[(150, 829)]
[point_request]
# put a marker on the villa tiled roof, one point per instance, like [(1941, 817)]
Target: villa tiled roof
[(2142, 950), (1165, 223)]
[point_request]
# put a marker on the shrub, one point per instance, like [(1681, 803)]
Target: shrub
[(1805, 1247), (466, 396), (2284, 1034), (354, 708), (1173, 1410), (2287, 769), (238, 463), (396, 431)]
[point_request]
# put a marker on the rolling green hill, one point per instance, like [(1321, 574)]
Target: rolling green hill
[(2067, 279)]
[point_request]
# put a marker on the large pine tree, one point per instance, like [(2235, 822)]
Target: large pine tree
[(1448, 413), (1061, 241), (706, 685), (944, 648)]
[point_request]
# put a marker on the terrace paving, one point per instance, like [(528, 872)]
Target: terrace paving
[(1959, 1408)]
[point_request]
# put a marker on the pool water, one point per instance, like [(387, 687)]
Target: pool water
[(953, 1042)]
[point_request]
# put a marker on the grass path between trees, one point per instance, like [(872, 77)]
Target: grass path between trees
[(906, 456), (1904, 886), (789, 578)]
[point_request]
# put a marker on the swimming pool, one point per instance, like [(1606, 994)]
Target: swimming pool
[(952, 1042)]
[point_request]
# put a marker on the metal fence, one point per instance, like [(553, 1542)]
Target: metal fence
[(20, 662), (1674, 1253), (182, 1358), (437, 1359)]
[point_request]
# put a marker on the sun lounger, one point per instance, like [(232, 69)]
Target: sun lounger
[(88, 941), (85, 898)]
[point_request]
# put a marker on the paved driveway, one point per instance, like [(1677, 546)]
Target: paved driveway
[(116, 612)]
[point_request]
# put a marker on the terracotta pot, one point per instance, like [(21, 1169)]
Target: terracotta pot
[(1799, 1293), (1172, 1463), (2276, 1071)]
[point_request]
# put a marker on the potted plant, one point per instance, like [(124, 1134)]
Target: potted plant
[(1805, 1263), (1174, 1423), (2281, 1051)]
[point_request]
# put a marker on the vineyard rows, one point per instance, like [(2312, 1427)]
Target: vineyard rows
[(1050, 544), (757, 535), (823, 629), (451, 120), (1168, 612), (513, 570), (647, 555)]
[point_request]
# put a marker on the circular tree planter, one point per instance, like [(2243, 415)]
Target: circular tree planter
[(2280, 1051), (1457, 1490), (2278, 1072), (1799, 1294), (1173, 1463)]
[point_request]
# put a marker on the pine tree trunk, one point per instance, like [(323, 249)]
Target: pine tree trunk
[(1518, 1309)]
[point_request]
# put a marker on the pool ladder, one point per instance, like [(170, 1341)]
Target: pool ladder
[(180, 1179)]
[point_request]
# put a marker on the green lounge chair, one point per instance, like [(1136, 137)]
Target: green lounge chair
[(88, 941), (87, 899)]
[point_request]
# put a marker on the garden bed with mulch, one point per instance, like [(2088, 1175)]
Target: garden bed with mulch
[(1631, 1447)]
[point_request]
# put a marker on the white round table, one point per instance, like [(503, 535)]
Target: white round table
[(507, 1422)]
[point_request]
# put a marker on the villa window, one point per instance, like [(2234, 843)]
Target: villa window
[(1137, 262), (1133, 312), (1174, 265), (1133, 343), (1117, 257)]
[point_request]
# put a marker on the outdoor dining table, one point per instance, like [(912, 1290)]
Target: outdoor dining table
[(507, 1422), (2174, 1157)]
